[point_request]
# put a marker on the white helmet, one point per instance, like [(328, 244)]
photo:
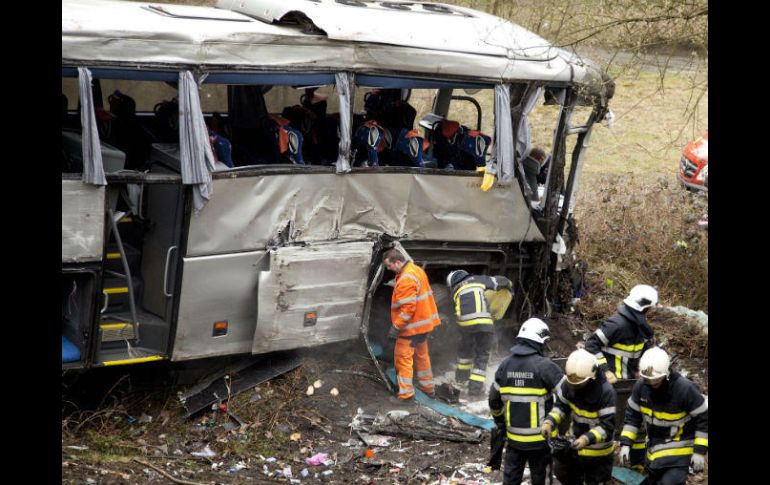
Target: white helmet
[(654, 363), (641, 297), (534, 329), (581, 366)]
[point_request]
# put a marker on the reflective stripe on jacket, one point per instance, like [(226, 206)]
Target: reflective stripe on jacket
[(471, 304), (592, 412), (620, 341), (676, 418), (521, 397), (413, 310)]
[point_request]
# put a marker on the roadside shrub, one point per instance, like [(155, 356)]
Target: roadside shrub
[(636, 230)]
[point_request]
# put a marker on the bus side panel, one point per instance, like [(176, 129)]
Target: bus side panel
[(215, 289), (245, 213), (82, 222), (312, 295)]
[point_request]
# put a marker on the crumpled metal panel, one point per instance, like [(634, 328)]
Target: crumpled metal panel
[(455, 28), (82, 222), (327, 280), (128, 33), (246, 213)]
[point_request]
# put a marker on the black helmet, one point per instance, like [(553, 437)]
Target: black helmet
[(455, 277)]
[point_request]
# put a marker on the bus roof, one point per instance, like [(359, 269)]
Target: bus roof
[(405, 38)]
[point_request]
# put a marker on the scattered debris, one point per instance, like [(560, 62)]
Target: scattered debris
[(206, 452), (162, 472), (447, 392), (77, 447), (418, 426), (295, 437), (317, 459), (310, 390), (237, 467), (334, 392), (376, 440), (304, 473), (358, 373), (233, 381), (698, 315), (628, 476), (318, 383), (446, 409), (145, 418)]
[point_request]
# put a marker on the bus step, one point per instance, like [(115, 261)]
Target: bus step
[(112, 332), (113, 261)]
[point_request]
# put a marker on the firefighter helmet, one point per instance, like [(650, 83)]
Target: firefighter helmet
[(654, 364), (581, 366), (534, 329), (642, 297), (455, 277)]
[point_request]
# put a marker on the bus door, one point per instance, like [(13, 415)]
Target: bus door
[(312, 295), (82, 241)]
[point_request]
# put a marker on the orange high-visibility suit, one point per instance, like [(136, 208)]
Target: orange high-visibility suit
[(414, 314)]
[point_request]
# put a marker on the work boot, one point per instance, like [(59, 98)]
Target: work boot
[(431, 394), (475, 389), (397, 400)]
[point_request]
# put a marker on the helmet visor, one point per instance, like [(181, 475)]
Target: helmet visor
[(576, 381), (652, 381)]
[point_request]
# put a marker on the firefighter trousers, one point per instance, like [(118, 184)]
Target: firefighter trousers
[(412, 352), (515, 460), (668, 476), (472, 357), (572, 469)]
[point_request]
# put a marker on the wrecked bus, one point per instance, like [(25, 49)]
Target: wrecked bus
[(232, 175)]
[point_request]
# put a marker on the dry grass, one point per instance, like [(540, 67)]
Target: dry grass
[(636, 231)]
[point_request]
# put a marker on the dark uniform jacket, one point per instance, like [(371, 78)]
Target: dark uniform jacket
[(471, 305), (676, 418), (592, 410), (520, 397), (620, 341)]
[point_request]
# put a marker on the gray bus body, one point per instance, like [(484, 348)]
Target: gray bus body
[(284, 256)]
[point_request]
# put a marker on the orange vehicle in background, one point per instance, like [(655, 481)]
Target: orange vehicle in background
[(694, 165)]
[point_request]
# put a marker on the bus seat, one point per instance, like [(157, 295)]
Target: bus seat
[(458, 147), (126, 133), (69, 351), (72, 145), (167, 121), (280, 142)]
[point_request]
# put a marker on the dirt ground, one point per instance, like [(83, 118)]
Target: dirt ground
[(131, 428)]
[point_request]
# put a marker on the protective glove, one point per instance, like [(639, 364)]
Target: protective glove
[(610, 377), (487, 182), (393, 333), (697, 462), (624, 456), (504, 282), (546, 429), (580, 443)]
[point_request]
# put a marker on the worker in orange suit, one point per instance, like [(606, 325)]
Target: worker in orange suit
[(413, 314)]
